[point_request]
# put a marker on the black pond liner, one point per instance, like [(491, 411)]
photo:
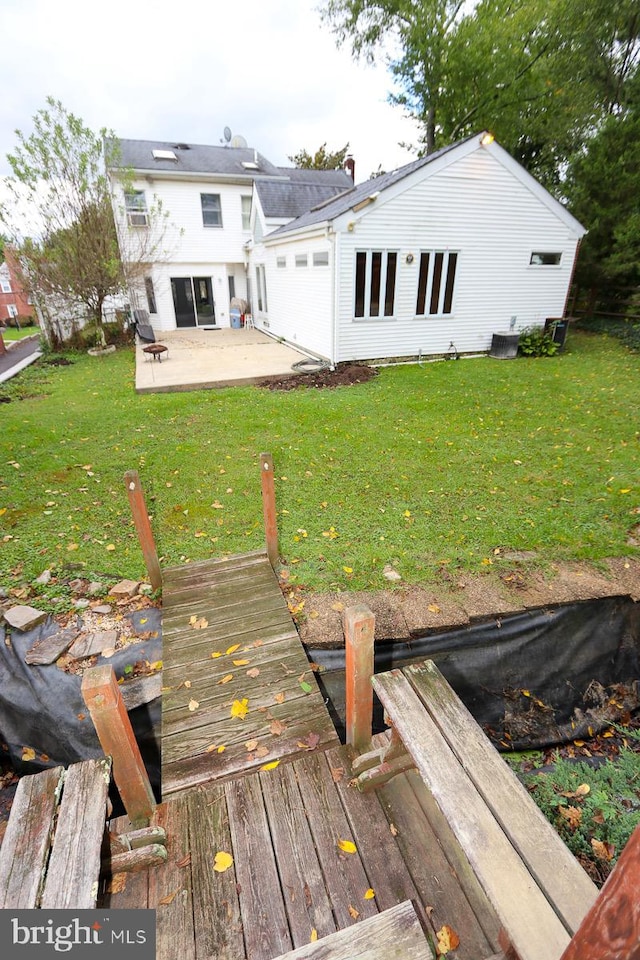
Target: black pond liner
[(42, 707), (579, 665)]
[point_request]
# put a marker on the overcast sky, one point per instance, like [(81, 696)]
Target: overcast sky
[(184, 70)]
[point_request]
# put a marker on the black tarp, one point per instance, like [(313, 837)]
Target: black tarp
[(42, 707), (530, 680)]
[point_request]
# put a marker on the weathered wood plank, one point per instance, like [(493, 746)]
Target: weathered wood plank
[(305, 896), (564, 882), (132, 839), (439, 889), (344, 873), (27, 840), (74, 866), (395, 934), (209, 568), (266, 931), (220, 605), (183, 648), (385, 868), (170, 888), (535, 930), (216, 910), (141, 858)]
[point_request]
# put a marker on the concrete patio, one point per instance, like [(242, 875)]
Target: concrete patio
[(198, 359)]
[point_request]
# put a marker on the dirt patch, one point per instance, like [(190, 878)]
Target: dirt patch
[(344, 375)]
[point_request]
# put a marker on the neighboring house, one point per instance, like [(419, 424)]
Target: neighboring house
[(199, 257), (446, 251), (14, 301)]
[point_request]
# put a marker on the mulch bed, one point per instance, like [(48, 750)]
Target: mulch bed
[(344, 375)]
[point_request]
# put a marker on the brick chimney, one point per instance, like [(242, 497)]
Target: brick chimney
[(350, 167)]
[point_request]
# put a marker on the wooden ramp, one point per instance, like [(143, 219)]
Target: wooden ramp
[(228, 637), (293, 877)]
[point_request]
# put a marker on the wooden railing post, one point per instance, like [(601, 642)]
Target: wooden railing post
[(269, 507), (143, 527), (104, 701), (611, 928), (359, 628)]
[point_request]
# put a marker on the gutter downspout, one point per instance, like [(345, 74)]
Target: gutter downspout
[(335, 303)]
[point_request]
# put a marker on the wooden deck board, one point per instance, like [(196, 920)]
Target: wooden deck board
[(288, 876), (247, 621)]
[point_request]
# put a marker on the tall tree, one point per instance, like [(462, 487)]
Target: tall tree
[(322, 159)]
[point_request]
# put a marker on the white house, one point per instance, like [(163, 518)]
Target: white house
[(442, 253), (190, 212)]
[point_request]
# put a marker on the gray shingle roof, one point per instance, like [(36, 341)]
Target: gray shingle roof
[(302, 190), (194, 158), (344, 202)]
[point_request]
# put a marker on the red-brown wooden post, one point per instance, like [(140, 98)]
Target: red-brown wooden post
[(359, 628), (104, 701), (143, 526), (269, 507), (611, 928)]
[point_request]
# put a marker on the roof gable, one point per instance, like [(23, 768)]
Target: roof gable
[(300, 192)]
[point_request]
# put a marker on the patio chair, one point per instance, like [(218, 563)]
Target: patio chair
[(142, 328)]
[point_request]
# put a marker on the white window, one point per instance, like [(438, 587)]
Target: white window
[(13, 310), (436, 281), (301, 260), (211, 209), (246, 212), (5, 285), (136, 206), (261, 284), (375, 283), (543, 259), (281, 262), (321, 258)]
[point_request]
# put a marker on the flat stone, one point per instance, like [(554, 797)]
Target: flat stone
[(95, 588), (24, 618), (93, 643), (44, 578), (50, 648), (102, 608), (77, 586), (145, 588), (126, 588), (390, 574), (81, 604)]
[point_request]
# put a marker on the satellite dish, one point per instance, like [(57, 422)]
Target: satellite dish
[(239, 142), (227, 134)]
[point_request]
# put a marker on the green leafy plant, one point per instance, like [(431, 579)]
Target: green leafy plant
[(534, 342)]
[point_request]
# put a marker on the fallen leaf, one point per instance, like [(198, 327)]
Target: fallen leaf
[(233, 648), (198, 623), (573, 816), (338, 607), (393, 829), (226, 678), (306, 686), (253, 673), (28, 753), (262, 752), (314, 935), (221, 749), (603, 851), (117, 883), (251, 744), (170, 897), (240, 708), (370, 894), (241, 663), (187, 684), (279, 697), (354, 913), (211, 748), (270, 766), (448, 940), (222, 861), (277, 727), (347, 846), (337, 773), (193, 705), (433, 608), (310, 742), (215, 654)]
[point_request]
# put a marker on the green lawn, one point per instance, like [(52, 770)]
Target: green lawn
[(9, 334), (444, 463)]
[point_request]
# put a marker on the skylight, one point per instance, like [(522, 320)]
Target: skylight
[(164, 155)]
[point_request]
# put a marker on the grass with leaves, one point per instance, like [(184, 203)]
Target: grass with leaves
[(424, 466)]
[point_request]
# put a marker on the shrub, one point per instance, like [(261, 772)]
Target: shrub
[(20, 321), (534, 342)]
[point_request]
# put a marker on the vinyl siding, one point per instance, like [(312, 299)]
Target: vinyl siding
[(477, 208)]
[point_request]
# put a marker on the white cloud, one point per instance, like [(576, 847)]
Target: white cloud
[(165, 70)]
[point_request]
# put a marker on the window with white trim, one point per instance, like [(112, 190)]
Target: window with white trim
[(321, 258), (211, 209), (245, 202), (5, 286), (261, 284), (375, 283), (436, 281), (545, 259), (13, 310), (135, 204), (302, 260)]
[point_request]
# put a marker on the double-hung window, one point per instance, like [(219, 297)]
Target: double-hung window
[(136, 207), (211, 209), (375, 283), (5, 286), (261, 283), (436, 282), (245, 202)]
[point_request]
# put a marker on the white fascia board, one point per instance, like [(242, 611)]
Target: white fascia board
[(305, 233), (541, 193)]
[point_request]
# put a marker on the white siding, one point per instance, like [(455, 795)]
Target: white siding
[(476, 207), (299, 297)]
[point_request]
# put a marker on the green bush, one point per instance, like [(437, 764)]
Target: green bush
[(625, 330), (534, 342), (20, 321)]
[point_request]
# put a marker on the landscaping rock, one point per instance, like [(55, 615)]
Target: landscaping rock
[(390, 574), (92, 644), (44, 578), (24, 618), (77, 586), (126, 588), (145, 589), (50, 648), (95, 588), (102, 608), (81, 604)]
